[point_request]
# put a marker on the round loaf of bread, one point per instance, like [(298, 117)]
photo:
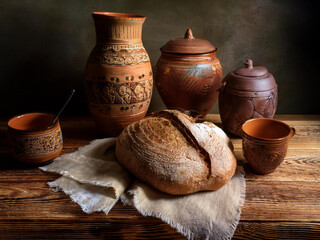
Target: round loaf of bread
[(173, 153)]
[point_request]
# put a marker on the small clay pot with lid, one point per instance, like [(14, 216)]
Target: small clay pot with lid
[(188, 74), (246, 93)]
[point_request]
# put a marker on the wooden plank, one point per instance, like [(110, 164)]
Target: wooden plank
[(148, 229), (288, 171), (277, 230), (281, 201), (130, 229), (265, 201)]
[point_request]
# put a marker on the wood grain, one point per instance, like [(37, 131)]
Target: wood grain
[(281, 205), (149, 229), (264, 202)]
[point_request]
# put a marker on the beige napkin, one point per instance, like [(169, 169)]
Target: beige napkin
[(94, 179), (91, 176)]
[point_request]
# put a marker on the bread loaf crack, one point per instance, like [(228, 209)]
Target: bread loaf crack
[(188, 136)]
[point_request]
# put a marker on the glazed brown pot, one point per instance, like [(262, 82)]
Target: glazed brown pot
[(188, 74), (118, 73), (33, 139), (265, 143), (249, 92)]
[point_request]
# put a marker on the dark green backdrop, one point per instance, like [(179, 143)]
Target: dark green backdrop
[(44, 46)]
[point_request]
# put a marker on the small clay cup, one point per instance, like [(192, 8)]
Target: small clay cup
[(33, 139), (265, 143)]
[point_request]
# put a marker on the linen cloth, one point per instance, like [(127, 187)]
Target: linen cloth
[(94, 179)]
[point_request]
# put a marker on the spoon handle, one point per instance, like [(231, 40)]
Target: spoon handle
[(57, 116)]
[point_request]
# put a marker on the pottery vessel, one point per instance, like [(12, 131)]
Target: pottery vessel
[(118, 77), (265, 143), (33, 139), (188, 74), (249, 92)]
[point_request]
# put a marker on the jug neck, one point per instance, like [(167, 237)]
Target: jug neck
[(118, 30)]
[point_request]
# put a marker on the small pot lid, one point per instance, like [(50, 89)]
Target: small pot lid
[(251, 78), (188, 45), (250, 71)]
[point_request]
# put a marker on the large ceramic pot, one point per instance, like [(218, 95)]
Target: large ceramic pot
[(249, 92), (118, 73), (188, 74)]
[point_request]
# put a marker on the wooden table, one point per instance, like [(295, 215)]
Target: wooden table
[(284, 204)]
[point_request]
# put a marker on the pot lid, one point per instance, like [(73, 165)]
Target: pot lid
[(251, 78), (250, 71), (188, 45)]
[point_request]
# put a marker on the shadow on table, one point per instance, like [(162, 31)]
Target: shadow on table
[(9, 163)]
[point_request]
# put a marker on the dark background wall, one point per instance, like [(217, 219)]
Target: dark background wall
[(44, 46)]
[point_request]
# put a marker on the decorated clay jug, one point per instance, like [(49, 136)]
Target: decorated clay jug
[(118, 77), (188, 74), (248, 92)]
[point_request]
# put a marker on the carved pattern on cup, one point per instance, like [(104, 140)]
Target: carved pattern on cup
[(274, 159), (264, 158), (37, 146)]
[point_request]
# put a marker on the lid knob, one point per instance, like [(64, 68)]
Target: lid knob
[(188, 45), (249, 63), (250, 71), (188, 34)]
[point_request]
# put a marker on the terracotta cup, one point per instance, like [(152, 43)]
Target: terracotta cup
[(33, 139), (265, 143)]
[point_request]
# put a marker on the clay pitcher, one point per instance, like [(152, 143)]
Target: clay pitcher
[(118, 77)]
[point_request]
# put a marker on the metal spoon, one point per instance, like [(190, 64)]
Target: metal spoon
[(57, 116)]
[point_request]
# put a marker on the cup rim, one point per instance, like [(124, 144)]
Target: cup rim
[(280, 139), (119, 15), (32, 130)]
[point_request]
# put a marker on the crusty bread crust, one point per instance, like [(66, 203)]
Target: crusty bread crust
[(176, 155)]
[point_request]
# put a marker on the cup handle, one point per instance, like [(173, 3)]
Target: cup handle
[(292, 132)]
